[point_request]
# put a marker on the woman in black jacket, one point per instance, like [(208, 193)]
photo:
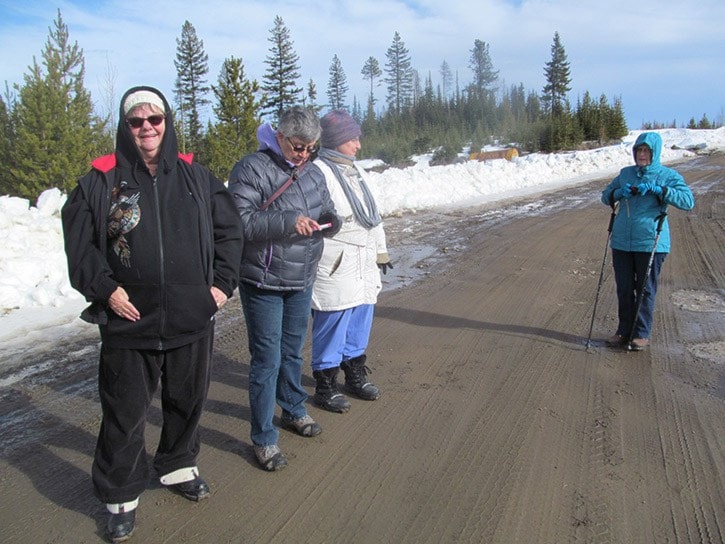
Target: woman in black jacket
[(153, 241)]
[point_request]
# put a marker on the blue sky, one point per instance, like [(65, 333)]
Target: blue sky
[(664, 59)]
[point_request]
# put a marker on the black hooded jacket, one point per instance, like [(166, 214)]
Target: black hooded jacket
[(166, 240)]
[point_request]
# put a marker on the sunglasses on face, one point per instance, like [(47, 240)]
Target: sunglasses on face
[(137, 122), (309, 149)]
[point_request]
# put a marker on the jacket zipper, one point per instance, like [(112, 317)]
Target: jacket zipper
[(162, 279)]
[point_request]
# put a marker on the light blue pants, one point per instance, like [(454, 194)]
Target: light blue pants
[(339, 336)]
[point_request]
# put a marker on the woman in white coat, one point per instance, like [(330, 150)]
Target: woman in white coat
[(348, 277)]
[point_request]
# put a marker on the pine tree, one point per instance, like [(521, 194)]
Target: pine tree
[(6, 139), (311, 100), (237, 110), (603, 119), (56, 133), (356, 110), (561, 130), (280, 79), (704, 122), (484, 76), (337, 85), (399, 76), (417, 87), (518, 103), (617, 124), (446, 79), (371, 72), (557, 79), (533, 107), (191, 86), (592, 118)]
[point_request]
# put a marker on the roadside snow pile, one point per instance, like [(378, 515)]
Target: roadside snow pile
[(32, 269), (683, 138)]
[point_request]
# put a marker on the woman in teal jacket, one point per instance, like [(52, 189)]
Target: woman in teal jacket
[(643, 191)]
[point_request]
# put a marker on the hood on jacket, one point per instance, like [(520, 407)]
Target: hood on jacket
[(126, 151), (267, 138), (652, 140)]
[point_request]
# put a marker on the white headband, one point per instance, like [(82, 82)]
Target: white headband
[(142, 97)]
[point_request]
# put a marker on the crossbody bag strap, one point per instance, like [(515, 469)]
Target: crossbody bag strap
[(295, 175)]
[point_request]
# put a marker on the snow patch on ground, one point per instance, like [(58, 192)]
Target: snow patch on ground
[(713, 351), (703, 302), (699, 301)]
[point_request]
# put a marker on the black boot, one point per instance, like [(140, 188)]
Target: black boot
[(327, 395), (194, 490), (356, 382), (120, 526)]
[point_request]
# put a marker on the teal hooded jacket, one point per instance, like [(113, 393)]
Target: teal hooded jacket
[(635, 226)]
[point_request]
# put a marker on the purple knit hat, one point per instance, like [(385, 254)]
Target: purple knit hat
[(338, 127)]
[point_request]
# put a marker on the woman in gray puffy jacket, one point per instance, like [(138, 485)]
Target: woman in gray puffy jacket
[(285, 210)]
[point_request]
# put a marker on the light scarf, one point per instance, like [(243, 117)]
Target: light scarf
[(367, 215)]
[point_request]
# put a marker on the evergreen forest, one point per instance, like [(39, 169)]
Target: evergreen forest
[(50, 130)]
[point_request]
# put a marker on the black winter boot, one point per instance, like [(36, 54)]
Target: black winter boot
[(356, 382), (327, 395), (120, 526)]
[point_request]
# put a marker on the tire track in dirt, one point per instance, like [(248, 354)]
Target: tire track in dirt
[(521, 387), (494, 426), (702, 242)]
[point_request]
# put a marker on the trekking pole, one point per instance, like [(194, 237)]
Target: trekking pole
[(601, 273), (640, 296)]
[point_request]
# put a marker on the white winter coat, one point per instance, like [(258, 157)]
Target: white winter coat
[(348, 273)]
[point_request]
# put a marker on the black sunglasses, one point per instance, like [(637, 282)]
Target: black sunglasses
[(137, 122), (302, 148)]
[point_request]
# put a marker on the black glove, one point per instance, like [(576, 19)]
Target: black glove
[(384, 267), (334, 220)]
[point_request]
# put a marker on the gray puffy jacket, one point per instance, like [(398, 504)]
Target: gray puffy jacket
[(275, 257)]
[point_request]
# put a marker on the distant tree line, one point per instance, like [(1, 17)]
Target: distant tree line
[(49, 130), (703, 123)]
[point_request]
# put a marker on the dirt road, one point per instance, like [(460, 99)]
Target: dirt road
[(495, 424)]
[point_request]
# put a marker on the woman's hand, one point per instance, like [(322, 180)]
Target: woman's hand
[(306, 226), (122, 306), (219, 297)]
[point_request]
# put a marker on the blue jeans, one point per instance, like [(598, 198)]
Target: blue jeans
[(338, 336), (276, 327), (629, 270)]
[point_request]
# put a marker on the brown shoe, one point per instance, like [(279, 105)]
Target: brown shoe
[(616, 341), (639, 344)]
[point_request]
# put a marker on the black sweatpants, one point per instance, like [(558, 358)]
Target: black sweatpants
[(127, 381)]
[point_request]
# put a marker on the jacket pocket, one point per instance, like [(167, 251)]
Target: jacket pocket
[(146, 300), (336, 263), (189, 308)]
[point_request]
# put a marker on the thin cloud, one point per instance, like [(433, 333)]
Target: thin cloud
[(647, 54)]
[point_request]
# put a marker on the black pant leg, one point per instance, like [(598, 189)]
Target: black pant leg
[(184, 386), (127, 380)]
